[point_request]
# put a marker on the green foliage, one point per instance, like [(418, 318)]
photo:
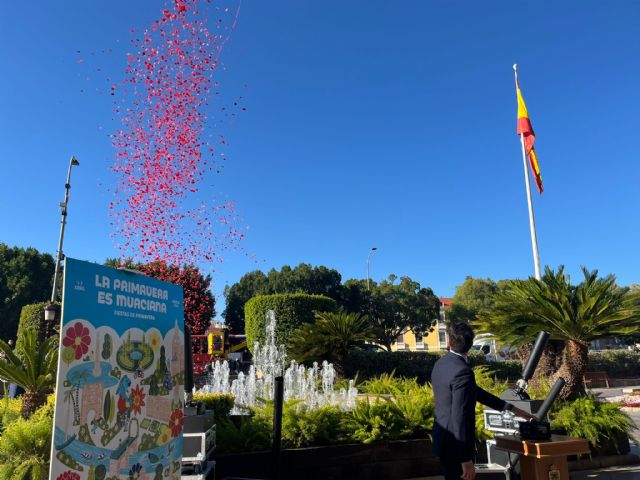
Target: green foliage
[(374, 420), (291, 310), (32, 366), (220, 403), (25, 446), (303, 427), (416, 405), (248, 434), (32, 318), (617, 363), (595, 308), (11, 408), (331, 337), (587, 417), (389, 384), (472, 297), (302, 279), (397, 307), (25, 278), (418, 365)]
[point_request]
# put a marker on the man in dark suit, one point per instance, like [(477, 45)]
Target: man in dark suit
[(456, 393)]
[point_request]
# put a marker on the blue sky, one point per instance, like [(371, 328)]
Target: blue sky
[(368, 123)]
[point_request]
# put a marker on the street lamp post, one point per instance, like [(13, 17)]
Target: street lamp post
[(63, 222), (373, 249)]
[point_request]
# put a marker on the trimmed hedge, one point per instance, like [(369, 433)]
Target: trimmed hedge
[(32, 318), (368, 364), (291, 310), (617, 363)]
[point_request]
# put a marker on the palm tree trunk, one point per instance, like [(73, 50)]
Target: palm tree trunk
[(574, 363), (31, 401), (551, 359)]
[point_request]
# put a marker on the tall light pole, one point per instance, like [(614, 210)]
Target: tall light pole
[(373, 249), (63, 222)]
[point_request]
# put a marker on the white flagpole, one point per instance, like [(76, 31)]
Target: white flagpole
[(532, 221)]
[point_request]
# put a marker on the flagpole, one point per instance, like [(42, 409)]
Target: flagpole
[(532, 221)]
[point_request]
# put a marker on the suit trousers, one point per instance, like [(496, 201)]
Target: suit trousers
[(451, 468)]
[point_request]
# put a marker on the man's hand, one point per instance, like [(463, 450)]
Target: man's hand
[(468, 471), (518, 412)]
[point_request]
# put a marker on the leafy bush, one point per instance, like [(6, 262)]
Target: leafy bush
[(418, 365), (291, 310), (220, 403), (303, 427), (589, 418), (247, 434), (25, 446), (617, 363), (416, 405), (32, 318), (10, 408), (373, 420)]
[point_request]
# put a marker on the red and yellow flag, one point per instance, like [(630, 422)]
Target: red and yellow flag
[(526, 130)]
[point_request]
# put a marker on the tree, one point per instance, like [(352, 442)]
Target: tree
[(331, 337), (577, 314), (472, 297), (32, 366), (302, 279), (251, 284), (199, 303), (25, 278), (396, 308)]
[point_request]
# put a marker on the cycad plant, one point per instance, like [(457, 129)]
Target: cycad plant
[(331, 337), (31, 366), (595, 308)]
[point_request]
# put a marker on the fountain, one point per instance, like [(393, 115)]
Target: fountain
[(313, 386)]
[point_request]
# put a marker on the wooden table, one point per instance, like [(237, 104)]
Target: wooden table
[(544, 459)]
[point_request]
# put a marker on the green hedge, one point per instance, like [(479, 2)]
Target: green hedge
[(32, 318), (369, 364), (291, 310), (617, 363)]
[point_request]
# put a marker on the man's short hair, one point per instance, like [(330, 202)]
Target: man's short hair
[(460, 337)]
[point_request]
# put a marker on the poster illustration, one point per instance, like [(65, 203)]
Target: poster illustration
[(120, 385)]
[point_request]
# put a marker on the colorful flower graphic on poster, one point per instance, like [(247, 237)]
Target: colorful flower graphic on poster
[(120, 387)]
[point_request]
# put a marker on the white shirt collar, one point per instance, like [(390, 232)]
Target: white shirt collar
[(464, 356)]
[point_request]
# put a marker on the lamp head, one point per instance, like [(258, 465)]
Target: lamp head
[(74, 161), (374, 248)]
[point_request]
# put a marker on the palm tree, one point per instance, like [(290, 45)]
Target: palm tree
[(595, 308), (32, 366), (331, 337)]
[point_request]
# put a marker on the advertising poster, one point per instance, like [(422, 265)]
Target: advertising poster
[(120, 384)]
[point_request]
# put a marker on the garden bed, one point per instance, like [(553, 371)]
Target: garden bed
[(393, 460)]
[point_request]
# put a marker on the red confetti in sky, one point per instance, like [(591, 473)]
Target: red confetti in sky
[(162, 155)]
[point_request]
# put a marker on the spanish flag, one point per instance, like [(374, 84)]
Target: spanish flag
[(526, 130)]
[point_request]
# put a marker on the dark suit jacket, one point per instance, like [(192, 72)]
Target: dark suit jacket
[(456, 393)]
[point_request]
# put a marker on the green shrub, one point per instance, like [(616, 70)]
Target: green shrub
[(250, 433), (589, 418), (304, 427), (416, 405), (617, 363), (389, 384), (11, 409), (291, 311), (25, 446), (220, 403), (374, 420), (32, 318), (418, 365)]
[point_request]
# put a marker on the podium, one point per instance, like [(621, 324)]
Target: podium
[(543, 459)]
